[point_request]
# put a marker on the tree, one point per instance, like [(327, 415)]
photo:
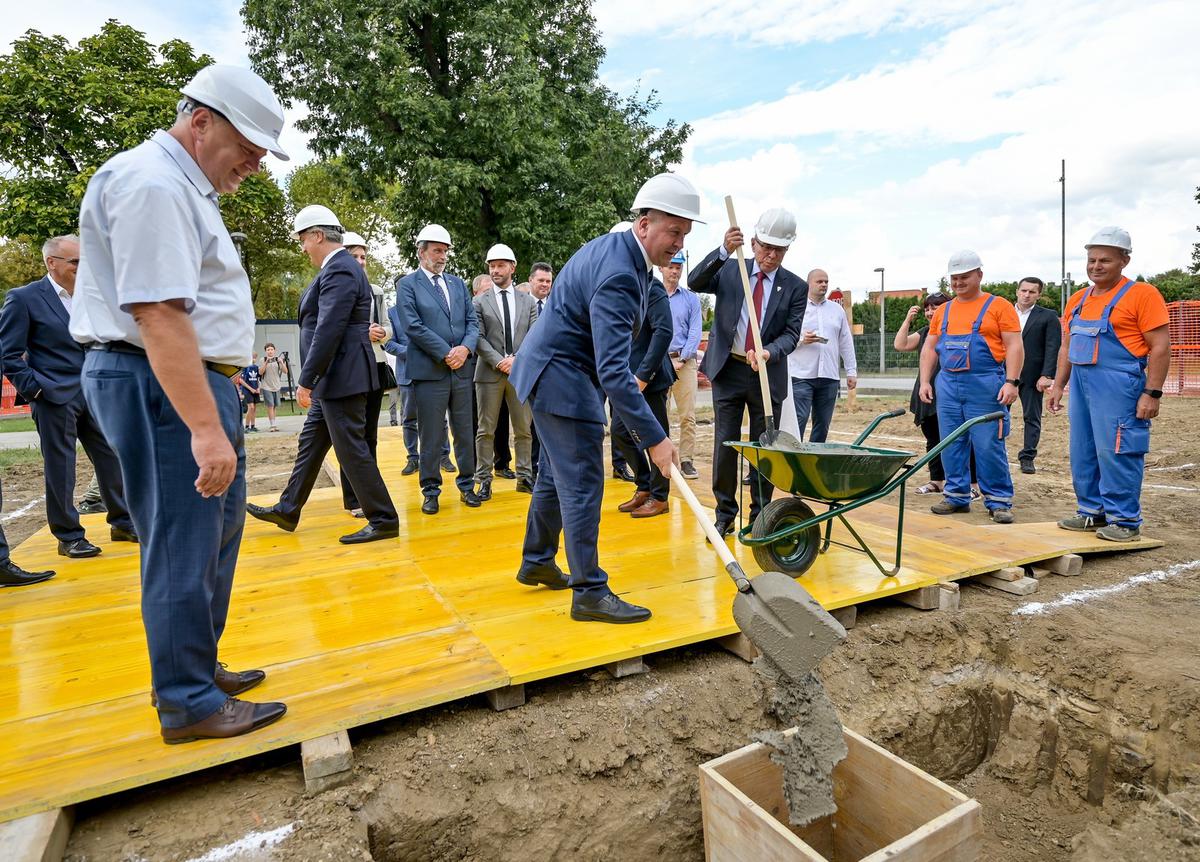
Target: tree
[(1196, 247), (20, 263), (486, 117)]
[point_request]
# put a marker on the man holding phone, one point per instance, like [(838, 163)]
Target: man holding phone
[(813, 365)]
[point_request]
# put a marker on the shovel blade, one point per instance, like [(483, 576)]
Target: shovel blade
[(778, 439), (786, 623)]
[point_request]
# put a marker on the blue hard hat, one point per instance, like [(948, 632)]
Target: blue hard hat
[(679, 258)]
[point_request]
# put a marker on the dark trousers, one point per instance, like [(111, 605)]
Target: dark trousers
[(3, 540), (933, 436), (566, 500), (1031, 407), (815, 397), (500, 440), (535, 448), (339, 423), (736, 390), (456, 393), (408, 413), (189, 543), (59, 426), (371, 432), (646, 475)]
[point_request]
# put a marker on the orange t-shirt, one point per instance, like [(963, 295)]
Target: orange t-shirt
[(1000, 317), (1140, 310)]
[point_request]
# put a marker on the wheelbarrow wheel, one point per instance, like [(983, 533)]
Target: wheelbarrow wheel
[(794, 553)]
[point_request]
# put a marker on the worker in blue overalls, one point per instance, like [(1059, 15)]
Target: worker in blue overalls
[(976, 338), (1115, 353)]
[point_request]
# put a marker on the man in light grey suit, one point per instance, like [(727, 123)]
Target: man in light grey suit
[(505, 315)]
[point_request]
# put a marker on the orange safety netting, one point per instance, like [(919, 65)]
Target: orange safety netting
[(8, 405), (1183, 378)]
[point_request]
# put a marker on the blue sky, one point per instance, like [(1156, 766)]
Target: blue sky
[(898, 131)]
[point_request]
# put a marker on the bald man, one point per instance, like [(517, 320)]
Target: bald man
[(813, 365)]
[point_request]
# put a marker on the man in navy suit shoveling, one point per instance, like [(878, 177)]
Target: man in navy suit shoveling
[(576, 355)]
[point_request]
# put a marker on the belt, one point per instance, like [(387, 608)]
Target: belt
[(740, 358), (133, 349)]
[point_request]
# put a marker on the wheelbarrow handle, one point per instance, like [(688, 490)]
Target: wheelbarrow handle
[(950, 438), (891, 414), (717, 540)]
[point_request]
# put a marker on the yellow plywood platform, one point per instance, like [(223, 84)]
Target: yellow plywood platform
[(350, 635)]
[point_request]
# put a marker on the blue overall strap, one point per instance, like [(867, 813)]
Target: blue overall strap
[(979, 320), (946, 317), (1116, 298)]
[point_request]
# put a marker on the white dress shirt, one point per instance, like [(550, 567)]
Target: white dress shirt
[(504, 296), (738, 348), (63, 296), (1023, 315), (439, 280), (810, 361), (150, 231)]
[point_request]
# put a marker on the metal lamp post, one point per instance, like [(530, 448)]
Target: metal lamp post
[(882, 308)]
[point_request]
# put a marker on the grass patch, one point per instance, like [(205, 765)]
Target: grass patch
[(14, 457), (17, 423)]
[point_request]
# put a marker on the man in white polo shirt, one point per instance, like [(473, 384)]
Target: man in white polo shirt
[(164, 304), (813, 365)]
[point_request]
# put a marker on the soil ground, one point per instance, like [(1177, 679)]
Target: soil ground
[(1078, 729)]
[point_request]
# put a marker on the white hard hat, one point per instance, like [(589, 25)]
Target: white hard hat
[(243, 98), (434, 233), (1112, 236), (621, 227), (963, 261), (350, 238), (313, 215), (669, 193), (776, 226), (500, 252)]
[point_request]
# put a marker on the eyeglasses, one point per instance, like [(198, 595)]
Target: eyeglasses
[(74, 261)]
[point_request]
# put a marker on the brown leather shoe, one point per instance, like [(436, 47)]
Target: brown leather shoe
[(232, 682), (651, 508), (234, 718), (633, 502)]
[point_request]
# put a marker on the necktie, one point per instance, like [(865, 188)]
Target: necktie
[(539, 308), (758, 303), (507, 324), (437, 282)]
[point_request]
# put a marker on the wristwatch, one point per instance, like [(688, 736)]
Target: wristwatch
[(1016, 381), (1153, 393)]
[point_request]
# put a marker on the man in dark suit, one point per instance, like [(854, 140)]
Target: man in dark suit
[(397, 345), (505, 316), (44, 363), (336, 375), (1041, 334), (655, 374), (439, 320), (731, 363), (576, 354)]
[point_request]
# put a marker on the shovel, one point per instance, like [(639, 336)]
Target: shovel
[(772, 610), (772, 436)]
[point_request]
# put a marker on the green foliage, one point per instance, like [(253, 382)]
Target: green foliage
[(1176, 284), (1196, 247), (486, 117), (64, 110), (20, 263), (260, 210)]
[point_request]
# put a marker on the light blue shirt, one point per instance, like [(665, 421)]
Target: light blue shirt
[(686, 318), (150, 231)]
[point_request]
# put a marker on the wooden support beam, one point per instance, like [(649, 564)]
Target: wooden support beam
[(38, 837), (1039, 573), (1067, 564), (923, 598), (847, 616), (949, 596), (626, 667), (1009, 573), (508, 697), (1022, 587), (740, 646), (327, 760)]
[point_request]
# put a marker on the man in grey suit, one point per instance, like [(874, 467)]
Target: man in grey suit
[(505, 315), (438, 318)]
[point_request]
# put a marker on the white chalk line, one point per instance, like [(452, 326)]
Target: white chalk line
[(1172, 487), (253, 841), (876, 436), (21, 511), (1079, 597), (1164, 469)]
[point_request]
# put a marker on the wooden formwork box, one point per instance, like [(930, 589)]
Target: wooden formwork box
[(887, 809)]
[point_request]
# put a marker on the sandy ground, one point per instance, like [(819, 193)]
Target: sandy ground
[(1077, 728)]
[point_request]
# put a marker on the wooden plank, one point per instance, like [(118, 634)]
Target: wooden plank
[(1067, 564), (740, 645), (926, 598), (949, 596), (626, 667), (847, 616), (1023, 587), (37, 838), (956, 836), (1039, 573), (327, 760), (1008, 573), (508, 697)]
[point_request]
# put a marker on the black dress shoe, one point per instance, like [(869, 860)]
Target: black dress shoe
[(1027, 467), (448, 465), (370, 533), (485, 491), (471, 499), (623, 473), (724, 528), (12, 575), (609, 609), (120, 534), (505, 473), (524, 487), (78, 549), (546, 576), (411, 467), (430, 506), (271, 516)]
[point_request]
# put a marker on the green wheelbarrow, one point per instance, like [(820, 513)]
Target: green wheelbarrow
[(786, 536)]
